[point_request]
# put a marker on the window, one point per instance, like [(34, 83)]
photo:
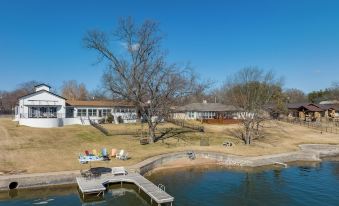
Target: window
[(105, 112), (52, 112), (92, 112), (42, 112), (82, 112)]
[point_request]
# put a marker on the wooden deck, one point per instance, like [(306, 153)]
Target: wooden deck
[(98, 185)]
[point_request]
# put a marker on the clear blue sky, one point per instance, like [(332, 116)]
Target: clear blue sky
[(299, 39)]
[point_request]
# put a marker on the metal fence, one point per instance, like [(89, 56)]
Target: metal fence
[(323, 126)]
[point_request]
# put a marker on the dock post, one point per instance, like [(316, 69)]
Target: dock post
[(121, 183)]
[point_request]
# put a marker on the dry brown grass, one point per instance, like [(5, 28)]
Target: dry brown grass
[(30, 150)]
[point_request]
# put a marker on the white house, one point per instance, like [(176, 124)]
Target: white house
[(45, 109)]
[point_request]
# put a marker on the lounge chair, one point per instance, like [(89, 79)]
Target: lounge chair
[(122, 155), (113, 152), (104, 152), (119, 171)]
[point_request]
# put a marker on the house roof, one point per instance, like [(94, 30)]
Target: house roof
[(296, 105), (100, 103), (326, 106), (40, 91), (312, 108), (205, 107), (330, 106)]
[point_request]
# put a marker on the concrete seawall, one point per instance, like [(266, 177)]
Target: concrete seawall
[(308, 152)]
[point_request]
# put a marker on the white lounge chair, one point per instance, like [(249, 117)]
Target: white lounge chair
[(122, 155), (119, 171)]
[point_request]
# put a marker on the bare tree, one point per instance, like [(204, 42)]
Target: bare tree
[(251, 89), (10, 98), (73, 91), (295, 96), (98, 94), (140, 73)]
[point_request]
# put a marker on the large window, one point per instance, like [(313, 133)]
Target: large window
[(124, 110), (42, 112)]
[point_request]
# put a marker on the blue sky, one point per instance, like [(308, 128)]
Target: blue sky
[(299, 40)]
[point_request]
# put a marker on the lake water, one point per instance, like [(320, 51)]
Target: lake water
[(312, 184)]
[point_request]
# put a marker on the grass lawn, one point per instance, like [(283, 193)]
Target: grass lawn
[(27, 150)]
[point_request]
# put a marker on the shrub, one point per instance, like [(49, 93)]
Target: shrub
[(110, 118)]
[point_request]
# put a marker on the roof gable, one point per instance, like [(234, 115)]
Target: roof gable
[(38, 92)]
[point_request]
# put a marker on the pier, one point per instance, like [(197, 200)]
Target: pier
[(97, 185)]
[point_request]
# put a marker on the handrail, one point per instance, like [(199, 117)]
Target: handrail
[(162, 187)]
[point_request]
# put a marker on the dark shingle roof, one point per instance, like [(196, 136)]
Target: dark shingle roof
[(312, 108)]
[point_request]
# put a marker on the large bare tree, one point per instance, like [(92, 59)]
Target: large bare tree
[(72, 90), (138, 71), (295, 96), (252, 89)]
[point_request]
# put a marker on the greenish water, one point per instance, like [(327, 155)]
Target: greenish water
[(312, 184)]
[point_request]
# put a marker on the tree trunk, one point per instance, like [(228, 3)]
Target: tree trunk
[(247, 135), (247, 138), (151, 129)]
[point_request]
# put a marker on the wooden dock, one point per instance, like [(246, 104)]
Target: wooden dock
[(98, 185)]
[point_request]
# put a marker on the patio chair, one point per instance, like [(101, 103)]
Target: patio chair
[(104, 152), (122, 155), (86, 152), (113, 152), (94, 152)]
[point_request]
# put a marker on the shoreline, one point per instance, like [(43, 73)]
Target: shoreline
[(307, 153)]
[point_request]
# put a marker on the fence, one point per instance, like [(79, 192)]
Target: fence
[(330, 127), (221, 121), (183, 123)]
